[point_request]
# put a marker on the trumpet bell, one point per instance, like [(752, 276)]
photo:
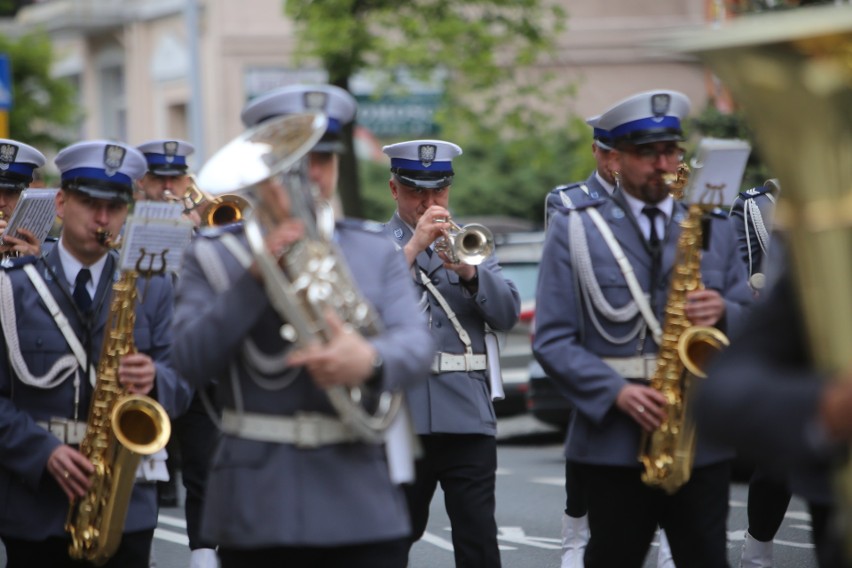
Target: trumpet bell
[(473, 244)]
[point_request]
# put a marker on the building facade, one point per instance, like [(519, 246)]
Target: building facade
[(149, 69)]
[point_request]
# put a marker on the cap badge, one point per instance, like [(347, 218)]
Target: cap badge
[(8, 153), (170, 149), (427, 152), (113, 158), (316, 101), (660, 104)]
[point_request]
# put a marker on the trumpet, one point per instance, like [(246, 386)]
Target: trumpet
[(470, 244), (213, 211)]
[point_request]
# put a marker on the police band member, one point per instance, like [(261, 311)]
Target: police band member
[(452, 411), (18, 161), (765, 395), (54, 315), (768, 491), (290, 484), (599, 184), (595, 337), (194, 434)]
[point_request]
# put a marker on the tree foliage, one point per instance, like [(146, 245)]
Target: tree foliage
[(483, 46), (43, 107), (507, 177)]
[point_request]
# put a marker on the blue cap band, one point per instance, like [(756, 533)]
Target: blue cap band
[(666, 122), (418, 165), (20, 168), (600, 133), (97, 173), (161, 160)]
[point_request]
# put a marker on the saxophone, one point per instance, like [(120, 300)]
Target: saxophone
[(121, 428), (668, 453)]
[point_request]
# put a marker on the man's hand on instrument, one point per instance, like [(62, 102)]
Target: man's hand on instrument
[(432, 224), (24, 244), (465, 271), (704, 307), (71, 470), (136, 372), (643, 404), (346, 359)]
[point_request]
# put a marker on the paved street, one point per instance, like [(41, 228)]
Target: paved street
[(529, 504)]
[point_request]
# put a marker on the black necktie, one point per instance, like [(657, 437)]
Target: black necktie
[(81, 295), (653, 236), (654, 245)]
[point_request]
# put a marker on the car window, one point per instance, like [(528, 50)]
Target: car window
[(524, 275)]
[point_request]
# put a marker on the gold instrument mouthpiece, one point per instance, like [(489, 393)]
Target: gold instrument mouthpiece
[(677, 181), (105, 239)]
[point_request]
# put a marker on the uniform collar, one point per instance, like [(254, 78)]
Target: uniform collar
[(71, 266)]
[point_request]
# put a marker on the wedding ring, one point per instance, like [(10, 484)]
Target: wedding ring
[(640, 409), (66, 474)]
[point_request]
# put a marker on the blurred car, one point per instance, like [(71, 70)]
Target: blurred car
[(543, 399), (519, 254)]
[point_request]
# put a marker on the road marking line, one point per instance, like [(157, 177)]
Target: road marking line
[(173, 521), (549, 480), (170, 536)]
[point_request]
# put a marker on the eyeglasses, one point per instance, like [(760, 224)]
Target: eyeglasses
[(650, 154)]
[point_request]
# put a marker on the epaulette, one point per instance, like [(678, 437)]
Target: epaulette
[(574, 185), (13, 262), (219, 230), (361, 225), (590, 203), (755, 191)]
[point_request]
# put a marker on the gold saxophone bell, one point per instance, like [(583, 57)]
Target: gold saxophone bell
[(470, 244)]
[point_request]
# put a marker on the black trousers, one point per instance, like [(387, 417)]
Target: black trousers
[(768, 499), (575, 492), (386, 554), (197, 436), (465, 465), (133, 552), (624, 514)]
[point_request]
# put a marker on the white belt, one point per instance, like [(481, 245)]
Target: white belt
[(68, 431), (446, 362), (633, 367), (304, 430)]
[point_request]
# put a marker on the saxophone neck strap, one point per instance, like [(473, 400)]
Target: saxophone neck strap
[(629, 275), (462, 333), (61, 321)]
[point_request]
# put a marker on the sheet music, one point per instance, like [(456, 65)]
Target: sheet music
[(717, 173), (155, 238), (36, 211)]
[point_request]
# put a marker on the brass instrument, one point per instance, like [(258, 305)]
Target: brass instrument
[(213, 211), (121, 428), (470, 244), (668, 452), (792, 74), (311, 277), (677, 181)]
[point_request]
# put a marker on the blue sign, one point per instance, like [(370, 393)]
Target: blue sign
[(5, 82)]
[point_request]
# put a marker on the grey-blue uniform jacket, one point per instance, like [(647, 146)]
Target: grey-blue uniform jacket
[(264, 494), (32, 505), (563, 197), (751, 246), (570, 347), (458, 402)]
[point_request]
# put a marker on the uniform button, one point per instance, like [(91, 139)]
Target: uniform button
[(482, 300), (437, 324), (39, 341), (436, 281)]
